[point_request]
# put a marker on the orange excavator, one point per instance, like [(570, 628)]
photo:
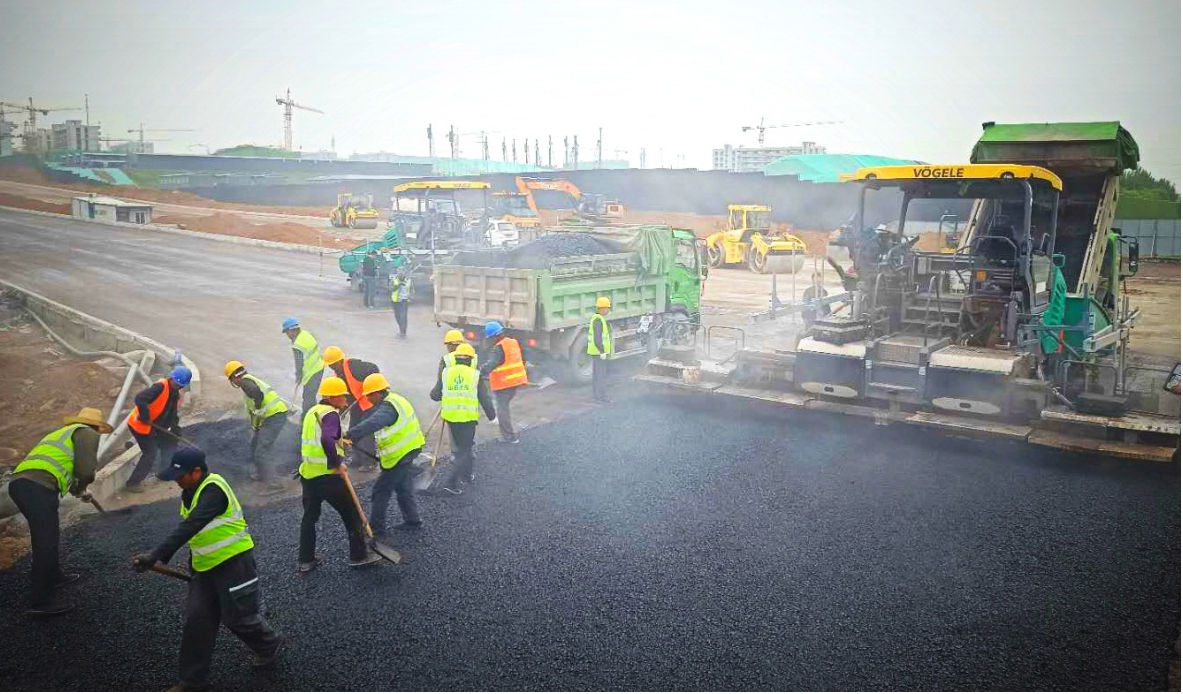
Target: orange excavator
[(592, 207)]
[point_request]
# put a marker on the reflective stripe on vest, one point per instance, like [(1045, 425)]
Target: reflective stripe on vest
[(399, 438), (155, 408), (460, 402), (314, 462), (223, 537), (54, 454), (354, 386), (591, 335), (305, 343), (512, 371), (272, 403)]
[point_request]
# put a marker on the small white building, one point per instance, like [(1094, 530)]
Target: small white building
[(103, 209)]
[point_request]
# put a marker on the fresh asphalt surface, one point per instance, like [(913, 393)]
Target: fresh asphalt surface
[(658, 545)]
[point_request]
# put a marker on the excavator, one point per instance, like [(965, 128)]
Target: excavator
[(354, 212), (589, 207), (1021, 333), (749, 239)]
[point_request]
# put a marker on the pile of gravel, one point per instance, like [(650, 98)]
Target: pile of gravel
[(540, 252)]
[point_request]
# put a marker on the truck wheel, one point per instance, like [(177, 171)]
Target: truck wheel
[(578, 371), (715, 255)]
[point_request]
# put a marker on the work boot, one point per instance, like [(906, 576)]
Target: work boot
[(408, 525), (259, 661), (133, 488), (370, 559), (50, 609), (511, 439), (306, 566)]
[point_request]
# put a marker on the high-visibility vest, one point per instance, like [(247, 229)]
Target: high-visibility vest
[(314, 462), (272, 404), (55, 455), (155, 408), (222, 538), (512, 371), (400, 438), (354, 386), (305, 343), (591, 336), (449, 359), (397, 288), (460, 402)]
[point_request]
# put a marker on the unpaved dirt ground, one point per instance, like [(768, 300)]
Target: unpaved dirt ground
[(286, 232), (1155, 290)]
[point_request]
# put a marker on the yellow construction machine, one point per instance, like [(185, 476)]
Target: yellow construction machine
[(354, 211), (749, 239)]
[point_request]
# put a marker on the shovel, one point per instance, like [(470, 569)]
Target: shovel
[(176, 437), (171, 572), (388, 553), (427, 478), (99, 507)]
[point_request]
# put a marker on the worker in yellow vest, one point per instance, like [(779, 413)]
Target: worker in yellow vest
[(225, 582), (322, 456), (399, 439), (600, 348), (267, 414), (401, 291), (309, 364), (505, 368), (63, 462), (462, 393)]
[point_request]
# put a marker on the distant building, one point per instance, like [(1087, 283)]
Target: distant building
[(73, 134), (103, 209), (131, 147), (743, 159), (7, 133), (39, 141)]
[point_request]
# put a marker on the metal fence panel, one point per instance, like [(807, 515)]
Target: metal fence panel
[(1157, 238)]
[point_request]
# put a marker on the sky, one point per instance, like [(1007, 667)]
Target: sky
[(904, 78)]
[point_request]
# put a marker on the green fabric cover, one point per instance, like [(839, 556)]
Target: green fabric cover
[(1054, 313), (826, 168)]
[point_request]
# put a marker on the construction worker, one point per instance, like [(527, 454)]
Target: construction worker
[(309, 366), (393, 424), (155, 423), (506, 371), (224, 587), (401, 291), (600, 348), (320, 476), (64, 461), (369, 278), (461, 393), (267, 414), (354, 372), (815, 291)]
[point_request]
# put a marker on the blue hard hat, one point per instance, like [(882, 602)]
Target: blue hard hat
[(289, 323), (493, 328), (182, 375)]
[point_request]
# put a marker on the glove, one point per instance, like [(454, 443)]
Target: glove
[(143, 561), (603, 356), (347, 443)]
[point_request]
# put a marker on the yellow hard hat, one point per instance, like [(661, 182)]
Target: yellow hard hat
[(233, 366), (465, 350), (453, 337), (333, 354), (373, 384), (603, 302), (332, 386)]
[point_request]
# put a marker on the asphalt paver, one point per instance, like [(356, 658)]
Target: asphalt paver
[(659, 544)]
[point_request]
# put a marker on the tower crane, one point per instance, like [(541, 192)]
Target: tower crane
[(31, 112), (288, 105), (141, 130), (761, 127)]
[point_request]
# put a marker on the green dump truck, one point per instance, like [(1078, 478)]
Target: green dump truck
[(544, 292)]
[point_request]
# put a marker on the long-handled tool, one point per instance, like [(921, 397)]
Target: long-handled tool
[(387, 552), (171, 572), (99, 507), (427, 478), (176, 437)]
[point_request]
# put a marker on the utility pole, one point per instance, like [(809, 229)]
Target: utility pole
[(485, 146), (600, 149), (642, 157), (504, 156), (575, 152), (452, 140), (515, 149), (86, 99), (550, 152), (566, 153), (430, 142), (526, 149), (536, 160)]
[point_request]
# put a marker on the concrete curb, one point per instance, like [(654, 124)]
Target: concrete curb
[(224, 238), (85, 331)]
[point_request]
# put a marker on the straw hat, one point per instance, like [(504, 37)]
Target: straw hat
[(90, 417)]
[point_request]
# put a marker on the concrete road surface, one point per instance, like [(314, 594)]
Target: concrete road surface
[(652, 546)]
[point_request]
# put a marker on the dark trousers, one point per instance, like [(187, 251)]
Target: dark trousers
[(330, 488), (152, 445), (397, 480), (226, 594), (502, 398), (463, 434), (599, 379), (264, 452), (309, 393), (400, 316), (39, 505), (369, 287)]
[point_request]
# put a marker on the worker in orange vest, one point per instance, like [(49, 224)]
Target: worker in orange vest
[(506, 370), (155, 423), (354, 373)]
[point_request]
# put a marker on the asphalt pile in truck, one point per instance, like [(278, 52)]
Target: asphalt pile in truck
[(541, 252)]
